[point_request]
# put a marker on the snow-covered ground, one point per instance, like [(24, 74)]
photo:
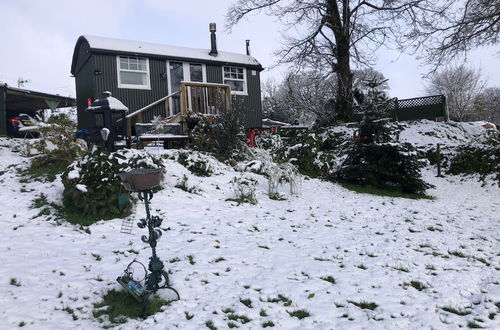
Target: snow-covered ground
[(377, 250)]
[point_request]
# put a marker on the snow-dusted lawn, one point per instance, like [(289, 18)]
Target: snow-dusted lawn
[(373, 247)]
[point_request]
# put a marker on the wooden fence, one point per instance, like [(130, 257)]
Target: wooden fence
[(428, 107)]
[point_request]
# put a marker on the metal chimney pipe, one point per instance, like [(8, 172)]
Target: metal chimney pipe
[(213, 40), (248, 46)]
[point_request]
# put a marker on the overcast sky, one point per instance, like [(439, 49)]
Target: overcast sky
[(38, 37)]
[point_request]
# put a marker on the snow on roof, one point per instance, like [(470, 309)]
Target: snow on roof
[(141, 47)]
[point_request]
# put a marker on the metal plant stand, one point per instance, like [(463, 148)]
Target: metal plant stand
[(142, 181)]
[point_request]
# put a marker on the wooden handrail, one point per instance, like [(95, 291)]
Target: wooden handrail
[(135, 113)]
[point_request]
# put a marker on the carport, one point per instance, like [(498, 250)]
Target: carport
[(14, 101)]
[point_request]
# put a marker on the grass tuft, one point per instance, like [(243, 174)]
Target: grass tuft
[(299, 313), (329, 279), (454, 310), (364, 304), (119, 306)]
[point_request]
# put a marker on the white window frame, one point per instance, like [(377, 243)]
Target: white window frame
[(245, 89), (186, 72), (132, 86)]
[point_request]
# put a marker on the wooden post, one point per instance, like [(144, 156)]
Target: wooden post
[(438, 151)]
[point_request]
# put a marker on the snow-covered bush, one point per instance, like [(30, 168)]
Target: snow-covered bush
[(195, 163), (92, 185), (244, 190), (480, 158), (223, 135), (314, 153), (386, 166), (57, 141)]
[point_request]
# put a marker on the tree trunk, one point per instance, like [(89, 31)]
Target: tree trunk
[(343, 105)]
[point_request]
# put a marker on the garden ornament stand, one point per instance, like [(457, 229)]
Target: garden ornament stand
[(143, 181)]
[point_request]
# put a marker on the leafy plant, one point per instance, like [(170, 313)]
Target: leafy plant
[(92, 186), (57, 141), (197, 165), (118, 306), (299, 313), (244, 190)]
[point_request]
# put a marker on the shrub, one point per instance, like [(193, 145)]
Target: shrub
[(223, 135), (92, 185), (315, 153), (244, 189), (194, 163), (386, 166), (57, 141), (482, 159)]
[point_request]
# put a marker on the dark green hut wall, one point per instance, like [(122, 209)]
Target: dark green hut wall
[(84, 90), (90, 85), (3, 114), (251, 104), (134, 99)]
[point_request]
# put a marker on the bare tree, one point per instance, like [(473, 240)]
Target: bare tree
[(456, 27), (333, 34), (488, 105), (303, 98), (461, 86)]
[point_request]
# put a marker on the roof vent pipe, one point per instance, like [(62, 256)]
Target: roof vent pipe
[(248, 46), (213, 40)]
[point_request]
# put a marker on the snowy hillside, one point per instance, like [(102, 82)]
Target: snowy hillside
[(337, 258)]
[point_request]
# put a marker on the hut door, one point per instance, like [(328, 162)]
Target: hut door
[(176, 76)]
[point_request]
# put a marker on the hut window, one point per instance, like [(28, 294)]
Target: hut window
[(235, 77), (133, 72)]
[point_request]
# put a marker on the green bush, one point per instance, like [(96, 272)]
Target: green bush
[(223, 135), (385, 166), (57, 141), (92, 185), (482, 159), (315, 153), (196, 165)]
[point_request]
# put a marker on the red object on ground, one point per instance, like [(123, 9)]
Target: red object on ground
[(89, 102), (252, 133)]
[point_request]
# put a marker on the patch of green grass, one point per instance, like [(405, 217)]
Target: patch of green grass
[(362, 266), (241, 318), (401, 269), (119, 306), (457, 254), (280, 298), (473, 325), (246, 302), (364, 304), (453, 310), (263, 313), (15, 282), (268, 324), (231, 325), (210, 325), (21, 324), (219, 259), (71, 312), (299, 313), (480, 259), (330, 279), (176, 259), (382, 192), (191, 259), (431, 228), (96, 256), (417, 285), (188, 316), (46, 172), (277, 197)]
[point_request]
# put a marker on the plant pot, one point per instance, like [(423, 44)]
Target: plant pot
[(142, 179)]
